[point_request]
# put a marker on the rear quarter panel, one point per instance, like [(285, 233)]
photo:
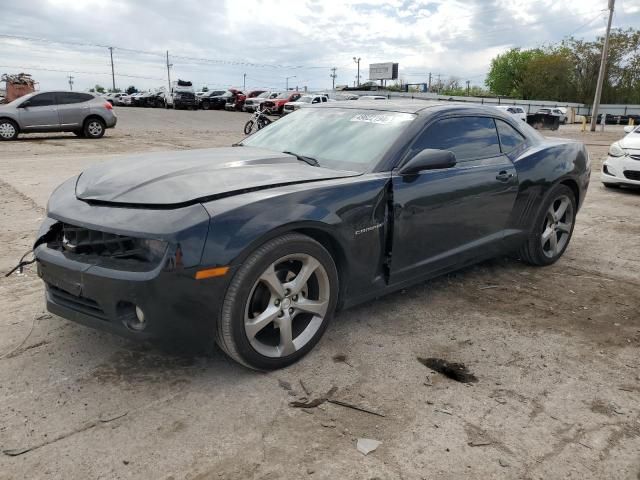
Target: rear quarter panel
[(541, 167)]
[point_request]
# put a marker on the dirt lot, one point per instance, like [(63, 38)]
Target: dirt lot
[(555, 351)]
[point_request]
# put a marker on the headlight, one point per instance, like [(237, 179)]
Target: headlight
[(616, 150)]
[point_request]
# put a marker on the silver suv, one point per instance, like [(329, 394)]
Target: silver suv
[(81, 113)]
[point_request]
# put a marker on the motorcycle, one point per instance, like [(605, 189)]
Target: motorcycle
[(258, 120)]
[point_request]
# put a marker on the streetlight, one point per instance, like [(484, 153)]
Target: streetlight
[(357, 60), (293, 76)]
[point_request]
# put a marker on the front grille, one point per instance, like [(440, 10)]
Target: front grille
[(78, 303), (632, 175), (82, 240)]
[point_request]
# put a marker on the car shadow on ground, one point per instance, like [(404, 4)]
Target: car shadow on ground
[(128, 361)]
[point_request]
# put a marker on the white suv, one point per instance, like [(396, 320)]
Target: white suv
[(304, 101), (514, 110)]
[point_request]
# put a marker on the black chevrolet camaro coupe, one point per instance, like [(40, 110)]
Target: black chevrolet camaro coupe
[(255, 246)]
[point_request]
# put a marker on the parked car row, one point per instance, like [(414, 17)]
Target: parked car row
[(232, 99)]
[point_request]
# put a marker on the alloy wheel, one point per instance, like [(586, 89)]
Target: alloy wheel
[(557, 226), (94, 128), (287, 305), (7, 130)]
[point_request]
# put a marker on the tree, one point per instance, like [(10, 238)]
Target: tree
[(508, 72), (99, 88), (131, 89), (568, 71)]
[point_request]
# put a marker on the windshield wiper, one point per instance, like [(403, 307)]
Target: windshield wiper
[(310, 160)]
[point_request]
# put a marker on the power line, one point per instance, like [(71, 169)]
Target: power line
[(23, 67)]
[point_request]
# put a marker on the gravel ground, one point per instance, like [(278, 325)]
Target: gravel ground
[(555, 351)]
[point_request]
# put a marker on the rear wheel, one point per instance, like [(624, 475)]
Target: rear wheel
[(279, 303), (94, 128), (552, 229), (8, 129)]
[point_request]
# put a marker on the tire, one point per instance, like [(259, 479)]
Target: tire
[(248, 127), (94, 128), (556, 227), (265, 287), (206, 106), (9, 130)]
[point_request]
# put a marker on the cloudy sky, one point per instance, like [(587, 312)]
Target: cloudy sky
[(215, 43)]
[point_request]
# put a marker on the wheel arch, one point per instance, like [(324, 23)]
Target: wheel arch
[(12, 120), (321, 232), (92, 116), (573, 185)]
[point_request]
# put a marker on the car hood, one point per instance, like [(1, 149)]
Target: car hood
[(631, 141), (172, 179)]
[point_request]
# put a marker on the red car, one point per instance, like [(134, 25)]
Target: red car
[(237, 101), (276, 105)]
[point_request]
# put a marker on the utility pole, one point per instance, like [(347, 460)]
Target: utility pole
[(468, 87), (603, 66), (429, 81), (333, 76), (357, 60), (113, 75), (438, 84), (71, 83), (244, 82), (169, 65)]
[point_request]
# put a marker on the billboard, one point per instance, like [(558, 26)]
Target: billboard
[(383, 71)]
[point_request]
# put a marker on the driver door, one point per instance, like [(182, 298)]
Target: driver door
[(40, 112), (448, 217)]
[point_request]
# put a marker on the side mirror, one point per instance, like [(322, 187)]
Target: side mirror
[(429, 159), (629, 128)]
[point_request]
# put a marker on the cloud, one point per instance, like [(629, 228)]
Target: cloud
[(215, 43)]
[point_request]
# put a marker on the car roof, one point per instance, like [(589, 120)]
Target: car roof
[(396, 105)]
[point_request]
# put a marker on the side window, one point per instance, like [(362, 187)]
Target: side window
[(510, 138), (467, 137), (324, 99), (66, 98), (43, 100)]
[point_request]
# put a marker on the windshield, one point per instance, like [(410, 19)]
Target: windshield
[(264, 95), (21, 99), (343, 139), (305, 99), (285, 94), (228, 93)]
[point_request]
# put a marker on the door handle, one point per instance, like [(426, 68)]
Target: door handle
[(504, 176)]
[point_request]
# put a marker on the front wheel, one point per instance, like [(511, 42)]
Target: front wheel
[(552, 229), (8, 129), (248, 127), (279, 303)]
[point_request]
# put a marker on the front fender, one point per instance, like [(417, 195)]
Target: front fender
[(336, 209)]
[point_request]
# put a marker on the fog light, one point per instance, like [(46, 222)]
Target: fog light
[(132, 316)]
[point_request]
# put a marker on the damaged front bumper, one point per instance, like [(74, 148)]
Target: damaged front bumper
[(133, 273)]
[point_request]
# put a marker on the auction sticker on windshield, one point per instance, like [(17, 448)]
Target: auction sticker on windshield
[(381, 118)]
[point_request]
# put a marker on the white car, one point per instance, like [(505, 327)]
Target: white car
[(372, 97), (304, 101), (622, 166), (514, 110)]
